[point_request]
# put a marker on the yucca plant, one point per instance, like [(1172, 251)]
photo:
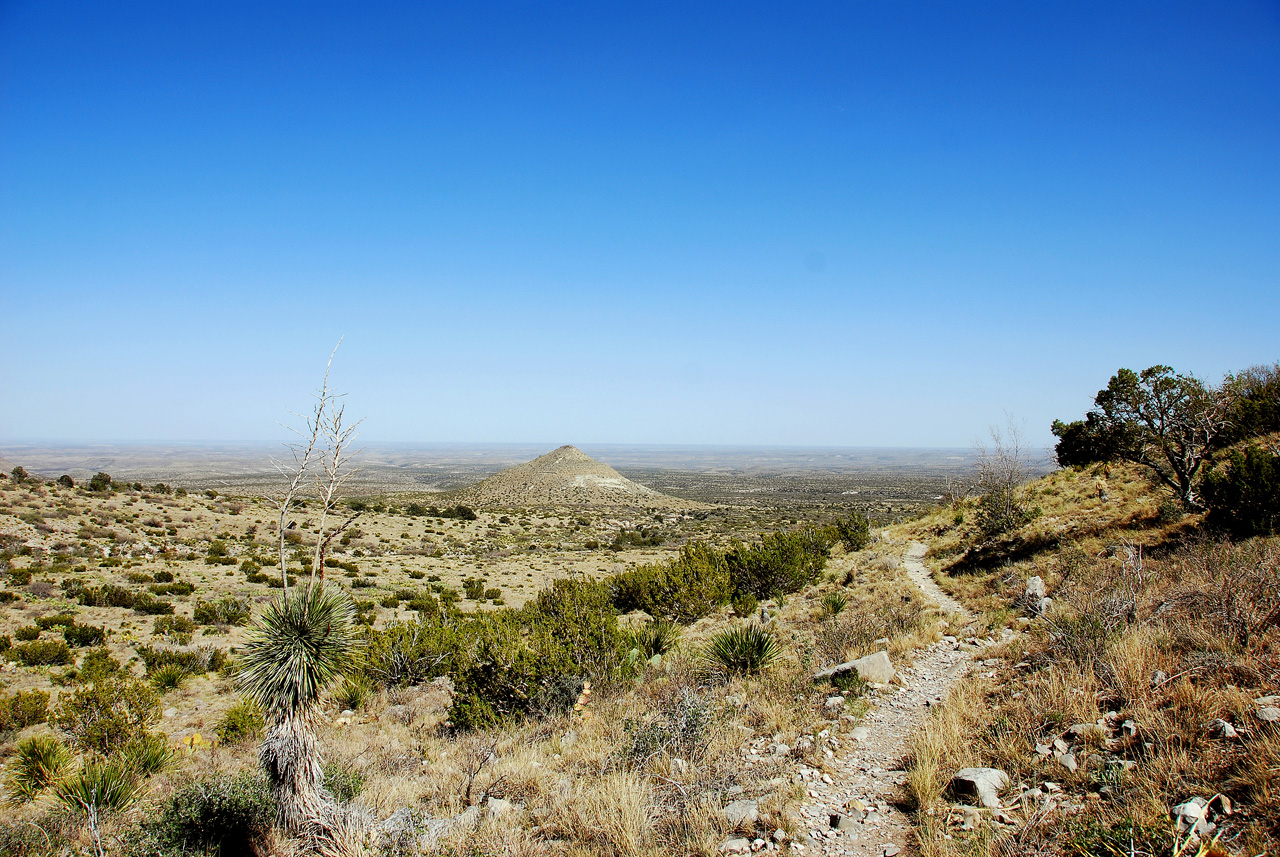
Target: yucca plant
[(38, 763), (352, 693), (657, 638), (146, 754), (99, 787), (835, 602), (302, 643), (169, 677), (745, 649)]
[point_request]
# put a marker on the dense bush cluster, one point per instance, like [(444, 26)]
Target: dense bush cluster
[(1243, 493)]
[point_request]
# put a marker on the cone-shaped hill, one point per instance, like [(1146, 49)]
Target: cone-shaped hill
[(565, 477)]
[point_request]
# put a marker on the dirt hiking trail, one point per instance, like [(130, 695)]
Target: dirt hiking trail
[(850, 810)]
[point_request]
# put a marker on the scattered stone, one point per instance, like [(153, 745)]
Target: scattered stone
[(1068, 761), (876, 668), (1222, 729), (1158, 678), (782, 750), (741, 812), (1129, 728), (1087, 730), (737, 845), (834, 702), (1044, 750), (758, 844), (1060, 745), (498, 807), (972, 818), (982, 783), (170, 712), (1192, 817), (679, 765), (1268, 700), (780, 835), (859, 733), (843, 822), (1268, 714), (890, 850)]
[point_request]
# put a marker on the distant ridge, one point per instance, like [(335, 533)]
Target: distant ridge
[(565, 477)]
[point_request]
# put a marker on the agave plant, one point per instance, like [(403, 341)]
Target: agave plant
[(38, 762), (146, 754), (745, 649), (302, 644), (835, 602)]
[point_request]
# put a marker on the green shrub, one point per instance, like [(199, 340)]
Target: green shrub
[(84, 635), (352, 693), (172, 625), (834, 603), (7, 597), (22, 709), (745, 605), (98, 664), (744, 649), (227, 610), (163, 576), (103, 716), (38, 763), (27, 633), (178, 587), (854, 531), (683, 589), (41, 653), (780, 563), (473, 588), (146, 603), (218, 814), (109, 595), (243, 721), (493, 593), (57, 620), (1243, 493), (100, 482), (195, 661)]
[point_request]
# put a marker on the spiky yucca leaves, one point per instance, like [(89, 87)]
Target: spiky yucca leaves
[(302, 644), (38, 762), (835, 602), (744, 649), (100, 787), (657, 638), (169, 677)]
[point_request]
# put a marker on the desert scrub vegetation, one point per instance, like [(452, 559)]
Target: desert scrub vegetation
[(1145, 684)]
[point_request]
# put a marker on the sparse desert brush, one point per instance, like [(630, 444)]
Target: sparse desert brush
[(243, 721), (105, 715), (23, 708), (219, 814)]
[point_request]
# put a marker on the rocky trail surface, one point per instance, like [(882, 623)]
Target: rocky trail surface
[(850, 808)]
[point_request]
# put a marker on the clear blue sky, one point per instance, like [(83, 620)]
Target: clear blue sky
[(852, 223)]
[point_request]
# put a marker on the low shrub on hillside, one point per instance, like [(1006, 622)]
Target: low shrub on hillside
[(41, 653), (227, 610), (217, 814), (84, 635), (103, 716), (195, 661), (1243, 493), (23, 708), (242, 722), (683, 589)]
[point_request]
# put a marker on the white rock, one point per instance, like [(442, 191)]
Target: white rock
[(1268, 714), (737, 845), (741, 812), (983, 783)]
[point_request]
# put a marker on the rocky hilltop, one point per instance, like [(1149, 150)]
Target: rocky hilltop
[(565, 477)]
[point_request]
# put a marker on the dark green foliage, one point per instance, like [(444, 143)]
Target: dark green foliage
[(66, 481), (146, 754), (1243, 493), (168, 677), (109, 595), (227, 610), (641, 538), (1001, 510), (22, 709), (220, 814), (84, 635), (100, 482), (146, 603), (57, 620), (473, 588), (98, 664), (853, 531), (1087, 441), (683, 589), (1255, 403), (745, 605), (164, 576), (460, 512), (779, 564), (104, 716), (744, 649), (41, 653), (27, 633), (19, 576)]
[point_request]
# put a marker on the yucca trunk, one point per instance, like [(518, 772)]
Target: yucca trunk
[(291, 759)]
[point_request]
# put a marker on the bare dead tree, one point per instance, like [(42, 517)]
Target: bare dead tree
[(335, 470)]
